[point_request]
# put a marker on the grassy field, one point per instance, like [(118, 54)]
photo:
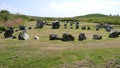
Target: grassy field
[(43, 53)]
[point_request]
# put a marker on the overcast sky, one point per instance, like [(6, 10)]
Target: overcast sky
[(61, 8)]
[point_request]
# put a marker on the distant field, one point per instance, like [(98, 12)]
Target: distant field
[(44, 53)]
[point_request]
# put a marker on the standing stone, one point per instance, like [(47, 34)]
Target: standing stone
[(29, 28), (88, 28), (108, 28), (23, 36), (71, 24), (39, 24), (11, 28), (77, 23), (55, 25), (83, 28), (8, 34), (82, 37), (113, 34), (97, 27), (21, 27), (65, 25), (14, 37), (67, 37), (53, 37), (97, 37), (77, 26)]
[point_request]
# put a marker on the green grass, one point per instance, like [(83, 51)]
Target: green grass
[(43, 53), (28, 57)]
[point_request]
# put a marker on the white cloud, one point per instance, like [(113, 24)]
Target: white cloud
[(73, 8), (11, 9)]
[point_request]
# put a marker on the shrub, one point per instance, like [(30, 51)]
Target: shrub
[(2, 28)]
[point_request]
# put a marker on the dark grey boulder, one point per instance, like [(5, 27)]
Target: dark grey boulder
[(39, 24), (67, 37), (54, 37), (71, 24), (113, 34), (14, 37), (97, 27), (55, 25), (29, 28), (77, 26), (108, 28), (9, 33), (83, 27), (11, 28), (77, 23), (21, 27), (118, 33), (88, 28), (82, 37), (65, 25), (97, 37)]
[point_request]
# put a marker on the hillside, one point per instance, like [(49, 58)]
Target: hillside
[(100, 18), (93, 15), (11, 20)]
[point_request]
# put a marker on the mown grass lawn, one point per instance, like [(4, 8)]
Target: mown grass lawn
[(43, 53)]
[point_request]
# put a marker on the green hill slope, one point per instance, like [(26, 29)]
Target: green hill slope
[(93, 15)]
